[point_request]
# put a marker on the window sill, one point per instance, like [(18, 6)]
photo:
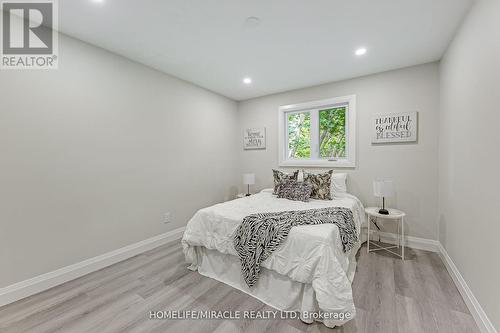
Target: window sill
[(318, 163)]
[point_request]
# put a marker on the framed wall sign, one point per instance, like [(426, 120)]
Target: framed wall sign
[(395, 127), (254, 138)]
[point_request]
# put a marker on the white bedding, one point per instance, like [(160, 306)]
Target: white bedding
[(311, 254)]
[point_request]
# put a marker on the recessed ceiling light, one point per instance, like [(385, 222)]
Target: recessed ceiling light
[(98, 1), (247, 80), (361, 51), (252, 22)]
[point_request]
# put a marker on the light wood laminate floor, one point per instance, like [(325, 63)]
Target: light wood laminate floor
[(416, 295)]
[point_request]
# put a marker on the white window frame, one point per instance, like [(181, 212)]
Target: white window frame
[(315, 161)]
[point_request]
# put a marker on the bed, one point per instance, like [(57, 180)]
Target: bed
[(309, 274)]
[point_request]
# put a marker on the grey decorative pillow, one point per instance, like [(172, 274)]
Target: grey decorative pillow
[(294, 190), (281, 177), (321, 184)]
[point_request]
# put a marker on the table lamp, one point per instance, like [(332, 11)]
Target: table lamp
[(248, 179), (383, 188)]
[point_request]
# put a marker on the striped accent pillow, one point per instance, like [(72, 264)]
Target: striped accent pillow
[(293, 190)]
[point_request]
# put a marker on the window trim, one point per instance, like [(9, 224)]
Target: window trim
[(349, 162)]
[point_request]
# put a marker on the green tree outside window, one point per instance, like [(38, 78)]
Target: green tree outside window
[(332, 140), (299, 135)]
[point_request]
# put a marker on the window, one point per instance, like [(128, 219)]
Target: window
[(320, 133)]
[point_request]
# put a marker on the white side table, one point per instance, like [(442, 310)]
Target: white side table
[(396, 215)]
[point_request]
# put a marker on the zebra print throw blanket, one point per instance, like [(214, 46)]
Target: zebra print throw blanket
[(259, 235)]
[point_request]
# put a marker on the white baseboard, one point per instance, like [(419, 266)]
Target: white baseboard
[(48, 280), (410, 241), (482, 320)]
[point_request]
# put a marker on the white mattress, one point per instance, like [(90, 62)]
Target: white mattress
[(311, 254)]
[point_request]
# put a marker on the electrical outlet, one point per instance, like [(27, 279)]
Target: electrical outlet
[(167, 218)]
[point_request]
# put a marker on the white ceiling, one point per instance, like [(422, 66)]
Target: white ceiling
[(298, 43)]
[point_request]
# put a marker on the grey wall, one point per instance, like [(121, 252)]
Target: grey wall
[(94, 153), (413, 167), (469, 180)]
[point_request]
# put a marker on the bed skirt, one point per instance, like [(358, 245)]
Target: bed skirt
[(273, 289)]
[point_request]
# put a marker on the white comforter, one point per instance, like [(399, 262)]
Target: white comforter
[(311, 253)]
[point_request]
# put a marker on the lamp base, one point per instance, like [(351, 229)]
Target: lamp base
[(383, 211)]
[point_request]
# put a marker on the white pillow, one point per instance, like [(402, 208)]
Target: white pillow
[(339, 183)]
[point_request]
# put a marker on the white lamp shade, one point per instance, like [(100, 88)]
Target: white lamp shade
[(249, 178), (383, 188)]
